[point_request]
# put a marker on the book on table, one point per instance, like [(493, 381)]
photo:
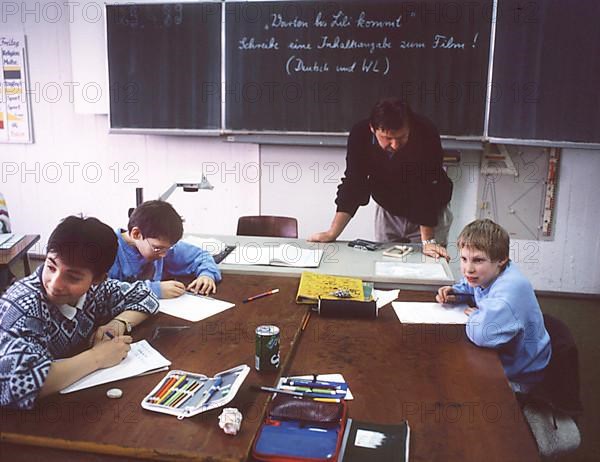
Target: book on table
[(325, 286)]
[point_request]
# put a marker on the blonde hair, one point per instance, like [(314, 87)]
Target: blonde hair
[(487, 236)]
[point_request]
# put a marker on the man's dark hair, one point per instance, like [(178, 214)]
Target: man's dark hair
[(84, 243), (390, 114), (157, 219)]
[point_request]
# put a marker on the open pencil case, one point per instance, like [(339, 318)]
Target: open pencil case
[(300, 430), (185, 394)]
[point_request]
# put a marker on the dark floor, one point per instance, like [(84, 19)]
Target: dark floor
[(581, 315)]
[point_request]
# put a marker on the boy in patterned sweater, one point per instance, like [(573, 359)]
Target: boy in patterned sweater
[(63, 308)]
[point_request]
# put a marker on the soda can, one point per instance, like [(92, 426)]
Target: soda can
[(267, 348)]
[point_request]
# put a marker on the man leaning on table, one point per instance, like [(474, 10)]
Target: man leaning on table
[(395, 156)]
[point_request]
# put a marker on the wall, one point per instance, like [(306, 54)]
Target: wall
[(75, 166)]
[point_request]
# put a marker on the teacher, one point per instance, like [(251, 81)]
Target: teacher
[(395, 156)]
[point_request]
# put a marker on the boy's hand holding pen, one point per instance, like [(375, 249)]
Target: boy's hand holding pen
[(447, 294)]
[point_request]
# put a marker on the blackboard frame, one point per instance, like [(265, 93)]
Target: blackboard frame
[(333, 138)]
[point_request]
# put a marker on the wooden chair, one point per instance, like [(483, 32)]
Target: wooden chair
[(267, 226)]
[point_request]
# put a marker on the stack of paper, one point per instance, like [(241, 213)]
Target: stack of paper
[(142, 359)]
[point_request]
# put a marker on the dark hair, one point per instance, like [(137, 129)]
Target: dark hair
[(390, 114), (157, 219), (84, 243)]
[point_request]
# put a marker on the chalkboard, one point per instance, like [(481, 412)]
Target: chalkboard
[(546, 67), (164, 63), (320, 66)]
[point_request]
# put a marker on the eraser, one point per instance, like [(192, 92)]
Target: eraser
[(114, 393)]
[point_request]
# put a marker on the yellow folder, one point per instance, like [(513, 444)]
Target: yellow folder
[(315, 285)]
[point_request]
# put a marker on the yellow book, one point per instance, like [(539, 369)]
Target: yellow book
[(315, 285)]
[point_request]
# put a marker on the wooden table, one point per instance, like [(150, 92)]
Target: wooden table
[(19, 250), (89, 422), (453, 394)]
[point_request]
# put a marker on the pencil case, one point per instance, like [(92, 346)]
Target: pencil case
[(186, 394), (300, 430), (347, 309)]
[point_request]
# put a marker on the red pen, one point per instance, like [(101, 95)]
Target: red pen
[(264, 294)]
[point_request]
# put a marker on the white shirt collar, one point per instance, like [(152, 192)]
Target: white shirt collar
[(70, 311)]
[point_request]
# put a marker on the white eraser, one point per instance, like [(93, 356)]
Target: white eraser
[(114, 393)]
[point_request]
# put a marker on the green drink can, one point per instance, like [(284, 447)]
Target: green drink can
[(267, 348)]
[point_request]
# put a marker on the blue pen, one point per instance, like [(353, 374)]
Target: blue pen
[(211, 391), (109, 334)]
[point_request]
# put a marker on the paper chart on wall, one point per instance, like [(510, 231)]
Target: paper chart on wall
[(14, 103)]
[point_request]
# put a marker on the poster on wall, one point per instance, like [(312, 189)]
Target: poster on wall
[(15, 114)]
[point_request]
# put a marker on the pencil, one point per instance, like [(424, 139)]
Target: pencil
[(305, 321)]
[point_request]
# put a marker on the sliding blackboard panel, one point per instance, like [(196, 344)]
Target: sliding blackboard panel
[(546, 68), (320, 66), (164, 63)]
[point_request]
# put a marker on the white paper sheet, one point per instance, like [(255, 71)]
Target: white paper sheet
[(280, 255), (141, 359), (193, 307), (422, 271), (430, 313), (383, 297)]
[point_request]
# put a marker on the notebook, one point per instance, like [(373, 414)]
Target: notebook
[(142, 359)]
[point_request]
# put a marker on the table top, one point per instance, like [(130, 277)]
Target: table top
[(90, 422), (8, 255), (454, 395), (341, 260)]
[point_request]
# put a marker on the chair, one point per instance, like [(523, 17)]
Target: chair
[(553, 405), (267, 226)]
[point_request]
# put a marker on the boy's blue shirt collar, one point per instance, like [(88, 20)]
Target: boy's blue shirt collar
[(132, 253)]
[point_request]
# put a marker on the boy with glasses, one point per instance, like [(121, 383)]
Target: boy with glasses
[(150, 249)]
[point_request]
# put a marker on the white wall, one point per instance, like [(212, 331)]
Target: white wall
[(295, 181)]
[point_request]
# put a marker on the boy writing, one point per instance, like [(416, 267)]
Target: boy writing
[(61, 308), (150, 250), (507, 316)]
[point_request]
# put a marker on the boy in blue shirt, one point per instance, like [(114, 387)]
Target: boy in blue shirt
[(63, 307), (507, 316), (150, 249)]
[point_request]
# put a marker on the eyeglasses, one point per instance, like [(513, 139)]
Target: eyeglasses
[(158, 250)]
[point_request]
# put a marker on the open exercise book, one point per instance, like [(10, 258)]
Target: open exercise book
[(279, 255), (142, 359)]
